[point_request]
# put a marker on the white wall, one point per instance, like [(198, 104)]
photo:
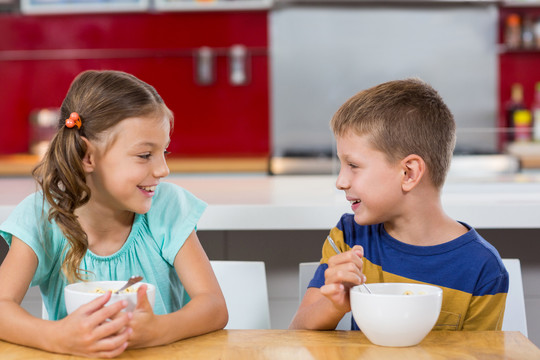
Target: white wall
[(322, 54)]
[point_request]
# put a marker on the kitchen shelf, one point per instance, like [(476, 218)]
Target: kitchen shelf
[(22, 164), (520, 4), (503, 49), (47, 7), (191, 5)]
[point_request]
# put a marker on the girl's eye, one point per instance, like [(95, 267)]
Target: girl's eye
[(353, 166), (145, 156), (166, 153)]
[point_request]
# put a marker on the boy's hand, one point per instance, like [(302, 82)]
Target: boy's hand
[(143, 321), (344, 271), (95, 330)]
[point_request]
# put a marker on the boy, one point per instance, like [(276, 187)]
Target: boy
[(395, 143)]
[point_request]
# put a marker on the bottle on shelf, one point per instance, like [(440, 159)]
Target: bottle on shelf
[(522, 125), (527, 33), (512, 32), (537, 32), (535, 110), (514, 104)]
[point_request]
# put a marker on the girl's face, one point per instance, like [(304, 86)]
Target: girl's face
[(370, 182), (129, 164)]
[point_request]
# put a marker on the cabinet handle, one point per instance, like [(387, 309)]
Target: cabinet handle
[(205, 66), (238, 65)]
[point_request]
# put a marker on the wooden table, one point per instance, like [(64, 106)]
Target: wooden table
[(293, 345)]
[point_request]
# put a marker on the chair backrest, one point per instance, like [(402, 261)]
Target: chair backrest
[(514, 316), (306, 272), (243, 284)]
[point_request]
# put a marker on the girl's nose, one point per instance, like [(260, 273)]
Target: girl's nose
[(162, 169)]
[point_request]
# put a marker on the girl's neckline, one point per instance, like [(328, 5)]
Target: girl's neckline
[(125, 247)]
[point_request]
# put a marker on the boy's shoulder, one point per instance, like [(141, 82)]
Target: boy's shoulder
[(353, 233)]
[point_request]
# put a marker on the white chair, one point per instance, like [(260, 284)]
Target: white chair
[(514, 316), (243, 284), (306, 272)]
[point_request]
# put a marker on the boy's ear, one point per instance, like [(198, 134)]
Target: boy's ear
[(414, 168), (89, 158)]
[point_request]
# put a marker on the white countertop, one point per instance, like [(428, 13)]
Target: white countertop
[(260, 202)]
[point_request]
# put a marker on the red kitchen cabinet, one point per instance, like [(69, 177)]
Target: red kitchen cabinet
[(40, 56), (516, 65)]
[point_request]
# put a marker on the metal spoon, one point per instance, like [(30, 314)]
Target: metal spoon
[(331, 241), (132, 280)]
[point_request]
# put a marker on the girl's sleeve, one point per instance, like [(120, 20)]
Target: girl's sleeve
[(28, 222), (173, 216)]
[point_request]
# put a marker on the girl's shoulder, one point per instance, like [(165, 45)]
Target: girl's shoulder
[(32, 207), (173, 216), (172, 196), (172, 205)]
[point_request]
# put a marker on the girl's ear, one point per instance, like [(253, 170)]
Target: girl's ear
[(89, 159), (414, 168)]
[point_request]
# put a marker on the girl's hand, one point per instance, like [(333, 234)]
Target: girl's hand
[(143, 321), (344, 271), (96, 330)]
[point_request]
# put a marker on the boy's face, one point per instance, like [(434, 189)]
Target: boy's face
[(370, 182)]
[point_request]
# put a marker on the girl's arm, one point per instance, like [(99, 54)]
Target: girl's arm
[(85, 332), (205, 312)]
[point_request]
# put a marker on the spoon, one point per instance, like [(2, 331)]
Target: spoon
[(132, 280), (331, 241)]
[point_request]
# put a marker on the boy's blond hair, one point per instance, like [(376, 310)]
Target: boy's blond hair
[(402, 117)]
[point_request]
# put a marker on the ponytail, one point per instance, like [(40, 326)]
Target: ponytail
[(62, 178)]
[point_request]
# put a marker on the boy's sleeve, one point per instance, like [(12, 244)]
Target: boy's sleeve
[(486, 312), (327, 252)]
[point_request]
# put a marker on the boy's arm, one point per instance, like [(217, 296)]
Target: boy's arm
[(323, 308), (316, 312)]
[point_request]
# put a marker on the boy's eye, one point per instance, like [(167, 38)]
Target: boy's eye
[(145, 156), (166, 152)]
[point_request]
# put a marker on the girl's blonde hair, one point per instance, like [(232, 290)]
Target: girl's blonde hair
[(401, 118), (102, 99)]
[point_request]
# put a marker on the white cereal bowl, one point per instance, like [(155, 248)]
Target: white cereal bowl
[(80, 293), (390, 317)]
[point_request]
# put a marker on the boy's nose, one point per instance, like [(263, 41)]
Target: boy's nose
[(342, 182)]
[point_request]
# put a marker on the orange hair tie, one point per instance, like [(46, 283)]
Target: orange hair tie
[(74, 119)]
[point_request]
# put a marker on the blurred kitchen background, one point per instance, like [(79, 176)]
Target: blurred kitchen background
[(254, 83)]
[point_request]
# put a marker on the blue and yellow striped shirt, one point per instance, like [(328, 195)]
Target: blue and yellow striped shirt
[(468, 269)]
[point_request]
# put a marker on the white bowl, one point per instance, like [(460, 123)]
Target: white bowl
[(78, 294), (390, 317)]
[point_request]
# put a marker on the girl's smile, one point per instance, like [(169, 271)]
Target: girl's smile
[(148, 190)]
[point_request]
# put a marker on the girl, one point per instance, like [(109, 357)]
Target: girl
[(102, 214)]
